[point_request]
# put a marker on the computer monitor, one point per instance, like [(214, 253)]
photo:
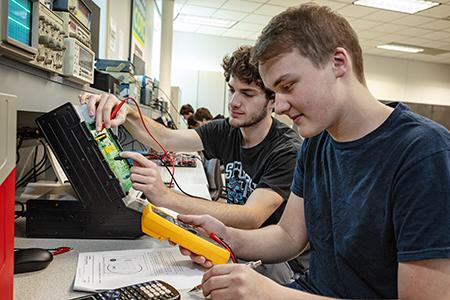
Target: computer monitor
[(19, 25)]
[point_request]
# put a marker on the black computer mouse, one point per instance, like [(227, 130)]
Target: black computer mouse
[(30, 260)]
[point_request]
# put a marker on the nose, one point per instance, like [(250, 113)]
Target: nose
[(281, 104), (234, 100)]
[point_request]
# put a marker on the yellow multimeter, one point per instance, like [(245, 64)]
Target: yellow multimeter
[(158, 224)]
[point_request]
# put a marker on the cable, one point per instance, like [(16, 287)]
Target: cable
[(176, 183), (166, 154), (17, 150), (219, 240), (33, 172), (22, 212)]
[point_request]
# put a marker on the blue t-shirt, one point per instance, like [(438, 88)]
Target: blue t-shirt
[(375, 202)]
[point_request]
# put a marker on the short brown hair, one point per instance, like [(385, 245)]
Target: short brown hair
[(203, 114), (240, 66), (316, 31), (186, 109)]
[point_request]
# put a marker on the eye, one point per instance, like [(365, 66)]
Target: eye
[(248, 95), (287, 87)]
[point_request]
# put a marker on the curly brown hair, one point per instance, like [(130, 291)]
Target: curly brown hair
[(240, 66), (315, 31)]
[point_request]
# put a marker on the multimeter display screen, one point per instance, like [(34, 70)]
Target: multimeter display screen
[(19, 21), (182, 225)]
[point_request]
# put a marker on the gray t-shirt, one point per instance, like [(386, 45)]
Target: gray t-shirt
[(270, 164)]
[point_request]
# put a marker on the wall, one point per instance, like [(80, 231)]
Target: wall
[(406, 80), (118, 32), (195, 53), (387, 78)]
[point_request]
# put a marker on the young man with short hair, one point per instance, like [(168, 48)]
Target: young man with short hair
[(371, 189)]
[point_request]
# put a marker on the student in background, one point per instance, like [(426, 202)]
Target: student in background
[(186, 111), (371, 189), (202, 116)]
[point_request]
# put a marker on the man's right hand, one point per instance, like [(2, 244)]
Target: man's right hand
[(101, 106), (206, 225)]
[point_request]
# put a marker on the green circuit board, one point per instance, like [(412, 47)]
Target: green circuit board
[(111, 149)]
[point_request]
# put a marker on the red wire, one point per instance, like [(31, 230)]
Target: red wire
[(220, 241), (148, 131)]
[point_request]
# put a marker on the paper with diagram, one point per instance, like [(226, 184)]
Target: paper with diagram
[(113, 269)]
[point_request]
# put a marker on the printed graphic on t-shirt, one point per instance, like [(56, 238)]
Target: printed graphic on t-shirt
[(239, 184)]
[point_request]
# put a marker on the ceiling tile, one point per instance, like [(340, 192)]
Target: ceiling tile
[(248, 26), (242, 34), (364, 24), (186, 27), (369, 34), (412, 20), (270, 10), (257, 19), (388, 38), (287, 3), (438, 25), (413, 31), (356, 11), (438, 35), (240, 5), (441, 11), (389, 28), (207, 3), (417, 42), (229, 14), (384, 16), (331, 4), (211, 30), (197, 10)]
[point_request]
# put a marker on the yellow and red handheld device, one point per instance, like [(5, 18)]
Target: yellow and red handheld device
[(158, 224)]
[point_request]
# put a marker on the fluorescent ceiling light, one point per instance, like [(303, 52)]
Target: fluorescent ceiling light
[(401, 48), (222, 23), (404, 6)]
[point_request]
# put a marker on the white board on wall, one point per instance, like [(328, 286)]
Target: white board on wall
[(211, 91)]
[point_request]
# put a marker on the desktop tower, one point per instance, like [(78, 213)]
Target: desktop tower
[(7, 192)]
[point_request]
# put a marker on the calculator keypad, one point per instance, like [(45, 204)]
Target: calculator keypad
[(144, 291)]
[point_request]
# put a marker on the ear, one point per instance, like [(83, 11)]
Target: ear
[(340, 62)]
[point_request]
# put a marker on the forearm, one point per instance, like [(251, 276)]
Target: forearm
[(134, 125), (171, 140), (238, 216), (271, 244)]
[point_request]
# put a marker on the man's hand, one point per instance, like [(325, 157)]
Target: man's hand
[(238, 281), (101, 107), (206, 225), (146, 178)]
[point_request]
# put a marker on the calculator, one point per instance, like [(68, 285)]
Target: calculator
[(155, 289), (158, 224)]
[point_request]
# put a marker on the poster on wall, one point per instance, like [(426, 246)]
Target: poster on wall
[(138, 29)]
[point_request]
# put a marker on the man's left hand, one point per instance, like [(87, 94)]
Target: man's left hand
[(146, 178)]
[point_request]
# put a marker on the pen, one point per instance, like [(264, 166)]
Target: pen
[(251, 264)]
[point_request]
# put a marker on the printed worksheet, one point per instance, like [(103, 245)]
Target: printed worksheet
[(112, 269)]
